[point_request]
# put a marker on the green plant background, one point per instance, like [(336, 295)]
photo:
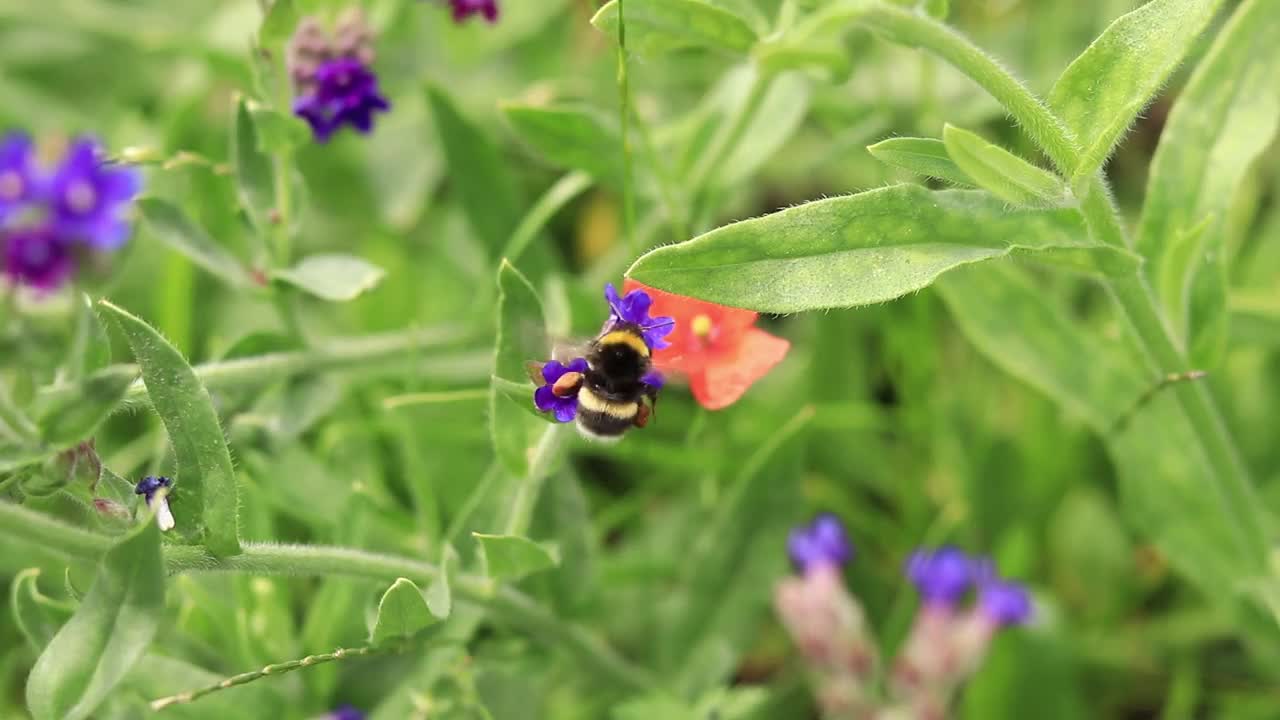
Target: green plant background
[(1001, 409)]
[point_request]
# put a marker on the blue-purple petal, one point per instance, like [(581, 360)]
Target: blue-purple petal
[(544, 399), (566, 409)]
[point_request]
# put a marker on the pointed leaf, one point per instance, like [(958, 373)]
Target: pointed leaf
[(37, 615), (521, 339), (509, 557), (439, 596), (401, 613), (1224, 119), (853, 250), (573, 138), (337, 278), (923, 156), (1103, 90), (174, 229), (1004, 174), (659, 26), (204, 493), (255, 179), (278, 24), (108, 633)]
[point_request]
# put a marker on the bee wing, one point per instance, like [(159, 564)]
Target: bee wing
[(566, 350)]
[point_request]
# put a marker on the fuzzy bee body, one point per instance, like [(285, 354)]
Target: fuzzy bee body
[(612, 397)]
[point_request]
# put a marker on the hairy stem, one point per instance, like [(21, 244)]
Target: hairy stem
[(624, 110), (504, 604)]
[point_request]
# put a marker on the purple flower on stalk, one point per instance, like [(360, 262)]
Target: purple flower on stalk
[(633, 309), (344, 92), (941, 576), (1002, 602), (463, 9), (18, 174), (37, 257), (822, 543), (559, 395), (87, 197)]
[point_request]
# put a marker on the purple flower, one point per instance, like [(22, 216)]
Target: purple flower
[(633, 309), (653, 379), (1002, 602), (87, 197), (37, 257), (941, 576), (346, 712), (344, 92), (822, 543), (463, 9), (149, 488), (18, 177), (547, 399)]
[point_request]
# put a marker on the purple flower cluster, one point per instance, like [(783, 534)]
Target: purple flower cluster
[(333, 76), (48, 219), (463, 9), (944, 576), (821, 543), (557, 392)]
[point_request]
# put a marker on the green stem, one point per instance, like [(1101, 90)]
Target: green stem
[(552, 201), (918, 30), (506, 604), (360, 352), (276, 669), (624, 105)]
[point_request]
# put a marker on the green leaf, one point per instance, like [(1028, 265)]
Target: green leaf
[(1103, 90), (852, 250), (936, 8), (172, 227), (923, 156), (439, 595), (277, 132), (76, 416), (90, 349), (255, 180), (337, 278), (278, 24), (204, 493), (37, 615), (574, 138), (509, 557), (1222, 121), (477, 174), (660, 26), (402, 612), (521, 339), (108, 633), (1004, 174)]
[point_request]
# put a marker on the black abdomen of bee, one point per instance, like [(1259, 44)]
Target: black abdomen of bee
[(604, 418)]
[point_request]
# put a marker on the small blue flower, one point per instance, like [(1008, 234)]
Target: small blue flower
[(88, 196), (563, 402), (344, 92), (633, 309), (19, 179), (1001, 601), (941, 576), (346, 712), (822, 543), (149, 488), (36, 257)]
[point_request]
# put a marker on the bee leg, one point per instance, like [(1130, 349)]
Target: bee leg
[(567, 385), (642, 415)]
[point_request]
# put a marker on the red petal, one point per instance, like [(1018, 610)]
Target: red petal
[(725, 379), (689, 353)]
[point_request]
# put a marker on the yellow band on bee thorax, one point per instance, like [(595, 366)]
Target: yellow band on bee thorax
[(625, 337)]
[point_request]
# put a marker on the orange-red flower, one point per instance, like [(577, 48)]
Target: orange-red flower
[(718, 348)]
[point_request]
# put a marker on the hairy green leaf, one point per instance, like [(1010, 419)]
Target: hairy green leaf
[(278, 23), (852, 250), (337, 277), (37, 615), (402, 612), (172, 227), (1103, 90), (1224, 119), (573, 138), (477, 173), (75, 417), (659, 26), (1004, 174), (509, 557), (923, 156), (108, 633), (521, 339), (255, 180), (204, 493)]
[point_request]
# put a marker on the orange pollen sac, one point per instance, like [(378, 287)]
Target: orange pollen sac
[(567, 385), (701, 325)]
